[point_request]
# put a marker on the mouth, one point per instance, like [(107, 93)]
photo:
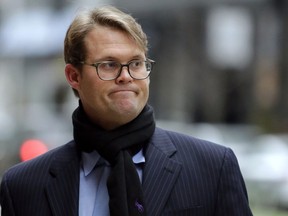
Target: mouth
[(123, 91), (122, 94)]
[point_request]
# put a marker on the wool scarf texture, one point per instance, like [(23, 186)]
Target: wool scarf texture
[(118, 146)]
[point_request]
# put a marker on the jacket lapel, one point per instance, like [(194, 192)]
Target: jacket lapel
[(160, 172), (63, 189)]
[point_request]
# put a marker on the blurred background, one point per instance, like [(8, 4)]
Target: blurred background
[(221, 75)]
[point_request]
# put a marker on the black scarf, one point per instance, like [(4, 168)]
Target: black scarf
[(118, 146)]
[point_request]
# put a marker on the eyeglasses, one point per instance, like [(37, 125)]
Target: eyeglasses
[(110, 70)]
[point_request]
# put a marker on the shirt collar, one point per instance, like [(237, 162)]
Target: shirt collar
[(139, 157), (89, 160)]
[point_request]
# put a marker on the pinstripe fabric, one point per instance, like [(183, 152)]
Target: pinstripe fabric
[(44, 186), (182, 176), (188, 176)]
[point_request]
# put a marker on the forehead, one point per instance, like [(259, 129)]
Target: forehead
[(102, 42)]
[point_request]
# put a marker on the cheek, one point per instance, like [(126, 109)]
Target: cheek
[(89, 87), (145, 91), (147, 84)]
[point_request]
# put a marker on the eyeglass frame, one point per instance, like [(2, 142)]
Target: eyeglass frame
[(96, 64)]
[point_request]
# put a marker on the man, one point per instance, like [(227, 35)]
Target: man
[(119, 163)]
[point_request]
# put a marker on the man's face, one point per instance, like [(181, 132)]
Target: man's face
[(109, 103)]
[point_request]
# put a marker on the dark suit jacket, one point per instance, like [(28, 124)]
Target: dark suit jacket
[(182, 176)]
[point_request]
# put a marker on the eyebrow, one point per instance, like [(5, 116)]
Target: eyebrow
[(113, 58)]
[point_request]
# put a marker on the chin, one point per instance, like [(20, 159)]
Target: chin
[(129, 112)]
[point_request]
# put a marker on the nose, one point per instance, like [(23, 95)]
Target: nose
[(124, 75)]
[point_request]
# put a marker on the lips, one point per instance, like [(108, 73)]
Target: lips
[(124, 91)]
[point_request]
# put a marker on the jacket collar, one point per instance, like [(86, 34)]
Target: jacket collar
[(160, 172), (63, 188)]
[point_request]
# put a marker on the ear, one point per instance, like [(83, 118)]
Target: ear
[(72, 76)]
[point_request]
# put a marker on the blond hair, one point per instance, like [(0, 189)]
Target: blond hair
[(74, 48)]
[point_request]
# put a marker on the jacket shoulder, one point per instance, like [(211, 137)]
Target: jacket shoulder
[(189, 148), (181, 140), (42, 162)]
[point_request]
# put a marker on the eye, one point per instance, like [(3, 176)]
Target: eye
[(108, 66), (136, 64)]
